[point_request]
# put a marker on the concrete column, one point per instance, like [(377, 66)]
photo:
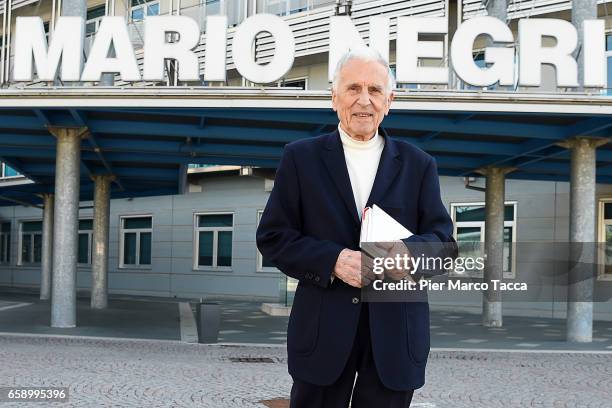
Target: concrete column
[(494, 244), (582, 237), (582, 10), (99, 269), (65, 225), (498, 9), (47, 247)]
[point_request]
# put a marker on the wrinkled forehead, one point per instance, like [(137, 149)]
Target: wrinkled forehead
[(363, 72)]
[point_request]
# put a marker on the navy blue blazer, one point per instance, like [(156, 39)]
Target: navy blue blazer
[(310, 217)]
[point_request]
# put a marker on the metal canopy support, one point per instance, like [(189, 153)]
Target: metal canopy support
[(582, 231), (494, 243), (47, 247), (66, 225), (99, 269)]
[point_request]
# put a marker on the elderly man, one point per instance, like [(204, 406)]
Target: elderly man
[(310, 231)]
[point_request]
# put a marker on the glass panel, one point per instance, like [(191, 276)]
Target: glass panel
[(608, 260), (32, 226), (215, 220), (468, 241), (129, 248), (153, 9), (608, 211), (90, 28), (37, 248), (96, 12), (83, 248), (139, 2), (477, 213), (609, 65), (137, 223), (265, 263), (205, 249), (138, 14), (300, 83), (145, 248), (213, 7), (608, 42), (8, 248), (9, 171), (507, 252), (26, 248), (85, 225), (224, 248), (6, 227), (2, 248)]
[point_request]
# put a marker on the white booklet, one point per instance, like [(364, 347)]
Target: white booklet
[(378, 226)]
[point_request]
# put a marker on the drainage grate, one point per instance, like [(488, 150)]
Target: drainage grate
[(251, 360)]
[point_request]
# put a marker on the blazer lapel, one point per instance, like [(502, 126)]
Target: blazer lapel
[(388, 167), (334, 160)]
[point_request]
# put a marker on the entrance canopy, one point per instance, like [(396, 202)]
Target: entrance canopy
[(146, 137)]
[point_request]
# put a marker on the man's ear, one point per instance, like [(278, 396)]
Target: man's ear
[(333, 92), (389, 100)]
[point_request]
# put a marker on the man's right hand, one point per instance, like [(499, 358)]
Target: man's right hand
[(348, 268)]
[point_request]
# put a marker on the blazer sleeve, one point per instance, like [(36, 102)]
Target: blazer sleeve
[(279, 235), (434, 236)]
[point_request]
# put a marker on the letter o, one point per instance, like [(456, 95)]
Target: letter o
[(242, 52)]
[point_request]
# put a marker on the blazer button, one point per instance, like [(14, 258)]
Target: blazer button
[(355, 300), (317, 278)]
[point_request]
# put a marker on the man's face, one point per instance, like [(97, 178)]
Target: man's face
[(360, 98)]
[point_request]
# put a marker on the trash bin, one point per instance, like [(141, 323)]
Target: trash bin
[(209, 318)]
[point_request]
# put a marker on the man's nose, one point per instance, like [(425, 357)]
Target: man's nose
[(364, 97)]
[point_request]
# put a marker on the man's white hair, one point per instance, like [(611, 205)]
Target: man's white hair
[(364, 54)]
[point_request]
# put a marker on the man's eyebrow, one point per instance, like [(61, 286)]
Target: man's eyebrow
[(352, 84)]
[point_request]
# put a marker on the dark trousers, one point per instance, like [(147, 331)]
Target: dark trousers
[(367, 392)]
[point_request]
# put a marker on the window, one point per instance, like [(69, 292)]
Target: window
[(605, 236), (94, 18), (8, 171), (213, 240), (30, 243), (262, 263), (282, 7), (5, 242), (85, 242), (141, 8), (135, 241), (301, 83), (469, 221), (608, 90)]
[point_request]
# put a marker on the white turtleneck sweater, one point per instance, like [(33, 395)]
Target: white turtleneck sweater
[(362, 163)]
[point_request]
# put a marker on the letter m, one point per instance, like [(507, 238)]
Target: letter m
[(66, 44)]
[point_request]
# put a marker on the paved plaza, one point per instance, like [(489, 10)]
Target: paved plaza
[(150, 373)]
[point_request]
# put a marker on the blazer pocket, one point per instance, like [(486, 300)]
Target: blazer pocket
[(417, 328), (303, 329)]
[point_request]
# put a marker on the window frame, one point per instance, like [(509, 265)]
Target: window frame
[(196, 241), (20, 261), (601, 236), (260, 267), (481, 224), (3, 175), (96, 20), (608, 54), (6, 260), (138, 231), (145, 4), (89, 243), (281, 83)]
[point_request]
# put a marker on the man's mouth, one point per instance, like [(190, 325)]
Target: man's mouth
[(362, 115)]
